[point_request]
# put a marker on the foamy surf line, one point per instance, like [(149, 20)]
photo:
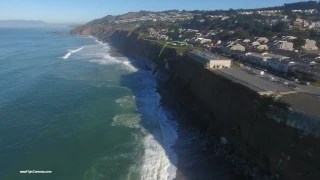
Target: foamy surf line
[(71, 52), (108, 59)]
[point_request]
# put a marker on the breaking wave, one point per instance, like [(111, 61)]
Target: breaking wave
[(128, 120), (158, 133), (127, 102), (71, 52), (99, 53)]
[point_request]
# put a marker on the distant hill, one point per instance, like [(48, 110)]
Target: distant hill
[(108, 18), (26, 24), (286, 7), (303, 5)]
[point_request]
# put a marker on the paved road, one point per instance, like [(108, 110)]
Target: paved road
[(300, 87), (253, 81), (305, 99)]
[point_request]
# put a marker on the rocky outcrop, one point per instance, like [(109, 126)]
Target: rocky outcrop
[(255, 126)]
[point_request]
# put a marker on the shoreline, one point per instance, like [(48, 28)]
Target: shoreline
[(188, 146)]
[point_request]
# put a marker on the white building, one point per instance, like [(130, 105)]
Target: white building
[(209, 60)]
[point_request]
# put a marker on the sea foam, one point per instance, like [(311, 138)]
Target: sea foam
[(159, 160), (71, 52)]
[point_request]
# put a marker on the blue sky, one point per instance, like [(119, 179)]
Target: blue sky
[(81, 11)]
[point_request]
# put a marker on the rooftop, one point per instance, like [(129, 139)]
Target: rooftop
[(209, 56), (267, 55)]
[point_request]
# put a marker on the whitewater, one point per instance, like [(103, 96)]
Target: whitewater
[(71, 52), (158, 135)]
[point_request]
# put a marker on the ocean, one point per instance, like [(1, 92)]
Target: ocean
[(69, 107)]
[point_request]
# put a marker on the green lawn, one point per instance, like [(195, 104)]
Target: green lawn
[(178, 47), (316, 84)]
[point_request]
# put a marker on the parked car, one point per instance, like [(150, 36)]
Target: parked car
[(292, 79), (271, 78), (305, 83)]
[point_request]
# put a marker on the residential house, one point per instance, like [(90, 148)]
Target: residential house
[(224, 18), (247, 41), (205, 41), (237, 47), (200, 41), (151, 31), (310, 45), (285, 38), (198, 35), (164, 37), (300, 23), (284, 45), (245, 12), (255, 43), (262, 47), (262, 40), (312, 25)]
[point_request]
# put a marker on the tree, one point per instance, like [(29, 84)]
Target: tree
[(293, 16), (240, 34), (225, 35), (280, 27), (256, 31), (268, 33), (189, 35), (174, 35), (298, 43), (298, 33)]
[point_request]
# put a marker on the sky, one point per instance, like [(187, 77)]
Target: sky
[(82, 11)]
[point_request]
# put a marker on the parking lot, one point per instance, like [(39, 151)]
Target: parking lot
[(292, 84), (253, 81)]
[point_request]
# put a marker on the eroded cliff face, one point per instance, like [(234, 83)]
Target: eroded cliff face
[(228, 109), (244, 118)]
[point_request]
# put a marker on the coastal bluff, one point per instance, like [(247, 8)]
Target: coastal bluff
[(262, 129)]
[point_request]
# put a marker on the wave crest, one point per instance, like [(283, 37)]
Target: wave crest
[(71, 52)]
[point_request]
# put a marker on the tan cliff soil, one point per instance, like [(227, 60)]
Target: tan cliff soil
[(229, 109)]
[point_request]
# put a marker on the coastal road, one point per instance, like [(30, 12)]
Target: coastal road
[(299, 87), (253, 81)]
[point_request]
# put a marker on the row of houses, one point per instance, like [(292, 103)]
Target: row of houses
[(281, 63), (262, 43), (274, 12)]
